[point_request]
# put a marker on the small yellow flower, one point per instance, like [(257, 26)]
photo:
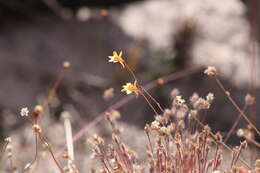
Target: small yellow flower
[(129, 88), (117, 58)]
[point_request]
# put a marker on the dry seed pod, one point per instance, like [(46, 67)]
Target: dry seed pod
[(37, 111), (8, 139), (210, 97), (66, 64), (175, 92), (36, 128), (211, 71), (108, 94), (249, 99)]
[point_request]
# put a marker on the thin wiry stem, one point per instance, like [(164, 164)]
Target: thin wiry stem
[(235, 105), (234, 125), (4, 148), (44, 141), (153, 99), (131, 71), (253, 46), (150, 143), (125, 100), (253, 142), (157, 103), (156, 113), (36, 147), (222, 143), (53, 90), (36, 153)]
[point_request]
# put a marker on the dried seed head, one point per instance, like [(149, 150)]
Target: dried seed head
[(36, 128), (166, 115), (147, 128), (192, 114), (99, 140), (211, 71), (66, 64), (65, 115), (8, 139), (24, 112), (227, 93), (178, 101), (240, 133), (201, 104), (159, 118), (210, 97), (37, 111), (248, 134), (160, 81), (108, 94), (175, 92), (249, 99), (243, 144), (207, 129), (155, 125), (194, 98), (113, 115), (164, 131), (257, 164)]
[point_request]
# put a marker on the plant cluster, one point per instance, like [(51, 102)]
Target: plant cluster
[(178, 141)]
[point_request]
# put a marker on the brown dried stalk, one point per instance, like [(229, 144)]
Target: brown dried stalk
[(126, 99), (235, 104)]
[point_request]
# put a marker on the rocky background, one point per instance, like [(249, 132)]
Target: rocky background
[(157, 37)]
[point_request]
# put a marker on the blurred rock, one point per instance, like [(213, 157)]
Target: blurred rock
[(221, 38)]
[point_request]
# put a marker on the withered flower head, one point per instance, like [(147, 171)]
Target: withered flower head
[(211, 71), (249, 99)]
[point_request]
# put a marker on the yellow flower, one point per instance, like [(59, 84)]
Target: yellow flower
[(117, 58), (129, 88)]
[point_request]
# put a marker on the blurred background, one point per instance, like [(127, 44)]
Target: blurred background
[(157, 37)]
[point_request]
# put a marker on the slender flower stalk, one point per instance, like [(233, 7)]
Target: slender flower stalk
[(129, 87), (171, 77), (234, 125), (236, 106), (133, 88), (212, 72), (44, 141), (222, 143)]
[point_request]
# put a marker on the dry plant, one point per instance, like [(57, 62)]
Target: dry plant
[(177, 140)]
